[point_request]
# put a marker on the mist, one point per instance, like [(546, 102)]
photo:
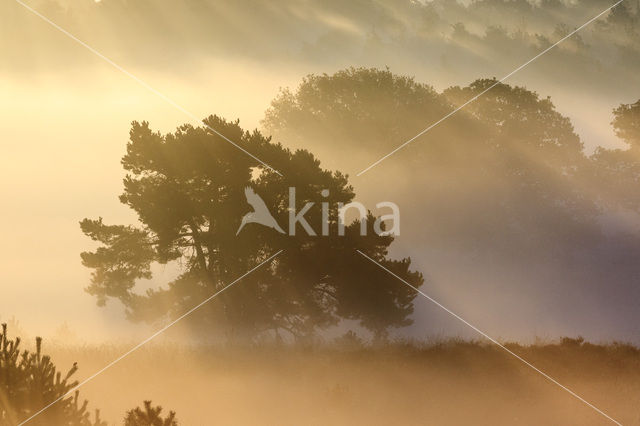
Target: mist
[(518, 213)]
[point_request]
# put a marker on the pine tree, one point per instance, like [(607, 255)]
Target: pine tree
[(29, 381), (149, 416)]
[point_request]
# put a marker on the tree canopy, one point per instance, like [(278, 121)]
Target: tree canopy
[(30, 381), (149, 416), (188, 190), (616, 172), (626, 123), (505, 170)]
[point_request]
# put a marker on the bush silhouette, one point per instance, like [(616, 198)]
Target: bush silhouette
[(29, 381), (149, 416)]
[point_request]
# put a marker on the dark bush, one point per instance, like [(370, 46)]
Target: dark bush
[(29, 381), (149, 416)]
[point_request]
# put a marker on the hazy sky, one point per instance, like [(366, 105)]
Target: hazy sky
[(66, 115)]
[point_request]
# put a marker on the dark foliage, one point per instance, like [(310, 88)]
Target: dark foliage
[(188, 189), (149, 416), (29, 381)]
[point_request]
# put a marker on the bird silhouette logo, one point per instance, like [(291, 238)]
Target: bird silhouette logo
[(260, 213)]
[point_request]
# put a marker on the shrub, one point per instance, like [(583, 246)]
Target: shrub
[(29, 381), (149, 416)]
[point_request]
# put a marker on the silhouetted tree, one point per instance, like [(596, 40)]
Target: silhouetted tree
[(358, 112), (149, 416), (626, 123), (616, 172), (503, 171), (188, 189), (530, 163), (29, 381)]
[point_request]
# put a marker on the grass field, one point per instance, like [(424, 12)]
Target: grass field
[(445, 383)]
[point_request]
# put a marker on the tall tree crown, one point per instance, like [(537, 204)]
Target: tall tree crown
[(188, 190)]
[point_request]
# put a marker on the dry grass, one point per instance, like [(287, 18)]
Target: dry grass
[(450, 383)]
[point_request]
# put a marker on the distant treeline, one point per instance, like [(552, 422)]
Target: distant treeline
[(487, 36)]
